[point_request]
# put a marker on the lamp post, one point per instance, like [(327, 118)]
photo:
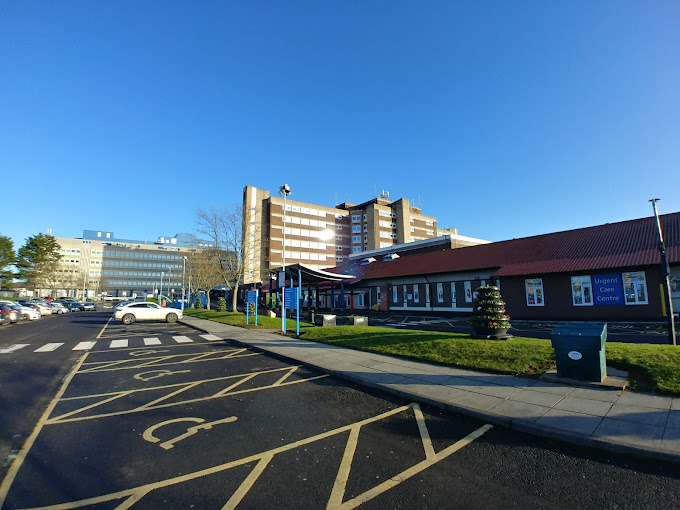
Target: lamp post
[(160, 292), (184, 270), (667, 273), (285, 191)]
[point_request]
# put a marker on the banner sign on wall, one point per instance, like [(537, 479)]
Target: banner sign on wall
[(607, 289)]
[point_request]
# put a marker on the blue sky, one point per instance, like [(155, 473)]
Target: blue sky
[(503, 119)]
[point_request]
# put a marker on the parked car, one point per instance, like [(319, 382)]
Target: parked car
[(4, 315), (11, 313), (75, 306), (58, 308), (27, 312), (90, 306), (43, 307), (146, 311)]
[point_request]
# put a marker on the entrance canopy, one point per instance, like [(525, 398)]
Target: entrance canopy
[(309, 275)]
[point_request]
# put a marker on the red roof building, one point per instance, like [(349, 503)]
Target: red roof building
[(606, 272)]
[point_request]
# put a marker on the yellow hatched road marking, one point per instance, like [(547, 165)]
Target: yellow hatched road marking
[(181, 387), (263, 459)]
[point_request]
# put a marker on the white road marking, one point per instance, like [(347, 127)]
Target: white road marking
[(210, 338), (182, 339), (152, 341), (49, 347), (84, 346), (13, 348), (119, 343)]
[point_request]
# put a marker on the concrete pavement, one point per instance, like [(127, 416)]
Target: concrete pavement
[(625, 422)]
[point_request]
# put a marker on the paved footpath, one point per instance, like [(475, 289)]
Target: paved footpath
[(620, 421)]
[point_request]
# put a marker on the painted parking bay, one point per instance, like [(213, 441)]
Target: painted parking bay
[(216, 425)]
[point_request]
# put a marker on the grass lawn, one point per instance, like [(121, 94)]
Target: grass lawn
[(652, 368), (239, 319)]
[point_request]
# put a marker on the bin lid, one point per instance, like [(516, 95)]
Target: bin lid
[(584, 329)]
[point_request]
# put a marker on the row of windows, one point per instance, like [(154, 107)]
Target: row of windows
[(302, 232), (138, 274), (305, 255), (306, 210), (150, 285), (296, 243), (305, 221), (142, 255), (139, 264)]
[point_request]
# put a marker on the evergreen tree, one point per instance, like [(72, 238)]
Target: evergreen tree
[(7, 259), (38, 259)]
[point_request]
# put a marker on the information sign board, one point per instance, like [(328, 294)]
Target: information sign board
[(607, 289)]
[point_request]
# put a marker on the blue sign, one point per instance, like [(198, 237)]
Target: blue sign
[(290, 295), (607, 289), (251, 296)]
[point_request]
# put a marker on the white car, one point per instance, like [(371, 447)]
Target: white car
[(44, 309), (146, 311), (58, 308)]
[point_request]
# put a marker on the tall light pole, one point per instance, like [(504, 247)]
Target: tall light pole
[(184, 270), (667, 273), (285, 191), (160, 292)]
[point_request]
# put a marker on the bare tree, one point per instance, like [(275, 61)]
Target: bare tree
[(202, 271), (223, 230)]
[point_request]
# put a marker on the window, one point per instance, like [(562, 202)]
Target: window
[(356, 249), (356, 218), (440, 293), (356, 228), (534, 291), (635, 288), (453, 293), (468, 292), (338, 259), (394, 294), (356, 239), (416, 295), (581, 291), (377, 292)]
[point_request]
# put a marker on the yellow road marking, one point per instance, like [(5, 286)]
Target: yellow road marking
[(247, 484), (408, 473), (14, 468), (148, 433), (182, 387), (135, 494), (158, 374), (106, 366), (104, 328)]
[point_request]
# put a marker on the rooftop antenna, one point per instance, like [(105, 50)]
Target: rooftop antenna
[(49, 231)]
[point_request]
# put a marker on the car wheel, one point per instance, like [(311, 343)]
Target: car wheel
[(128, 318), (171, 317)]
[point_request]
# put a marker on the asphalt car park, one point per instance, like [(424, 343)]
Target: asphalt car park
[(201, 422), (640, 332)]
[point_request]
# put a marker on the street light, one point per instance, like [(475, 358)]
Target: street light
[(667, 273), (285, 191), (184, 270), (160, 292)]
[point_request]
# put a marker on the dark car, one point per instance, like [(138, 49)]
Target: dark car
[(4, 314), (75, 306), (11, 313)]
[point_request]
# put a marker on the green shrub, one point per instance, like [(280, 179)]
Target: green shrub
[(221, 305)]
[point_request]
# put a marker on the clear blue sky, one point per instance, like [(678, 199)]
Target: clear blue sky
[(502, 118)]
